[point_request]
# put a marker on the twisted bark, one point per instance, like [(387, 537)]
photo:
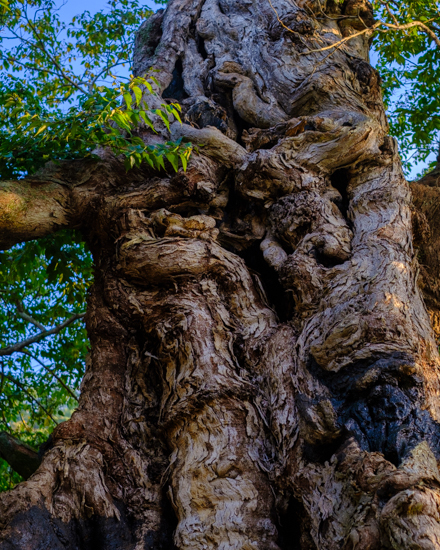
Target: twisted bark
[(263, 371)]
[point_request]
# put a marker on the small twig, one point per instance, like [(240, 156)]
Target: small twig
[(107, 68), (61, 73), (375, 27), (390, 13), (35, 68), (286, 27), (52, 372), (279, 19), (40, 336), (22, 313), (23, 388), (340, 42)]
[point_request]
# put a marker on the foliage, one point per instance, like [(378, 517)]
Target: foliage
[(409, 63), (45, 280), (59, 96), (98, 118), (8, 478)]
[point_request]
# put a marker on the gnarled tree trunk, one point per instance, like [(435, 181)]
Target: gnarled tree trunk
[(263, 372)]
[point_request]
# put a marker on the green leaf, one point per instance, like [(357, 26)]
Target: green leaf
[(164, 117), (147, 121), (160, 162), (130, 162), (41, 129), (146, 157), (138, 94), (128, 99), (184, 161), (174, 160), (121, 120)]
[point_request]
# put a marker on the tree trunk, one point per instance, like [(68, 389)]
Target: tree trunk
[(263, 373)]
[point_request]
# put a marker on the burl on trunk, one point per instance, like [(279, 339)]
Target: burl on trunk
[(263, 373)]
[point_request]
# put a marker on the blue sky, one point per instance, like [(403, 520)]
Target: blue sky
[(74, 7)]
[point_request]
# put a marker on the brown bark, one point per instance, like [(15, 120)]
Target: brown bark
[(263, 372), (22, 458), (426, 199)]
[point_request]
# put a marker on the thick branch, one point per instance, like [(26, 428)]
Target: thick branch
[(21, 458), (54, 198), (30, 209)]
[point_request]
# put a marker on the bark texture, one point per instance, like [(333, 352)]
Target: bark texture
[(263, 372)]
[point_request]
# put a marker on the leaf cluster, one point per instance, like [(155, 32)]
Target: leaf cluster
[(60, 95), (409, 63), (107, 117)]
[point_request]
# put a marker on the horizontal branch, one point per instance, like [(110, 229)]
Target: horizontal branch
[(40, 336), (428, 31), (30, 209)]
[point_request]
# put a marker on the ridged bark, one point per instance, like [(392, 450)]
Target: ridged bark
[(263, 372)]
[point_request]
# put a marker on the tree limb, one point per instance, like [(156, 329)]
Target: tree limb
[(40, 336), (30, 209), (21, 457)]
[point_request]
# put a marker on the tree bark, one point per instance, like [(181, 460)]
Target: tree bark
[(263, 372), (22, 458)]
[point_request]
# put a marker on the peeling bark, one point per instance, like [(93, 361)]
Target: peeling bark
[(263, 370)]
